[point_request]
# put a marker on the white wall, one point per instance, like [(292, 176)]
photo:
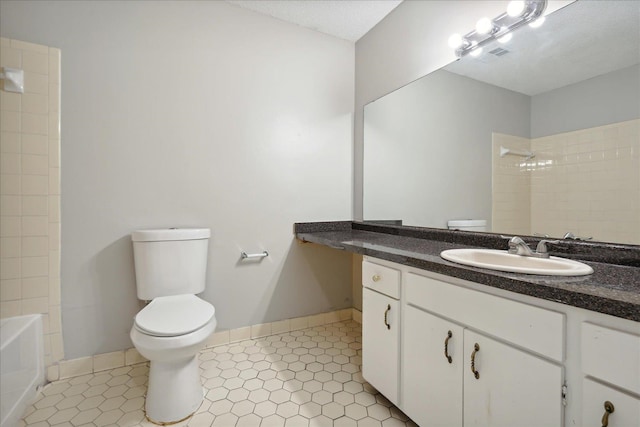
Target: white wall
[(428, 149), (195, 114), (601, 100)]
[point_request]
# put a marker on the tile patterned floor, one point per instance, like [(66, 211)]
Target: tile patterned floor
[(304, 378)]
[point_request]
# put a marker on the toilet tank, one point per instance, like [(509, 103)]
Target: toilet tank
[(467, 224), (170, 261)]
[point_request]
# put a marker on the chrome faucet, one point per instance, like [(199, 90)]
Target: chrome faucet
[(570, 235), (518, 246)]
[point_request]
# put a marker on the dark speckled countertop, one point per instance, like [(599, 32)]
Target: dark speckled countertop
[(613, 288)]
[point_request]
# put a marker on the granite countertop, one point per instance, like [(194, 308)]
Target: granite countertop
[(613, 288)]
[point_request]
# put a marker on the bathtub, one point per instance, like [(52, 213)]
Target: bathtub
[(21, 365)]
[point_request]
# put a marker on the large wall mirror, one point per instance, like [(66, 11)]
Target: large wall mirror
[(537, 136)]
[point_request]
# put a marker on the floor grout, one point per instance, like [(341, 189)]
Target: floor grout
[(305, 378)]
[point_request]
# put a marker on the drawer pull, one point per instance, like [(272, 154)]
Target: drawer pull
[(386, 313), (608, 409), (376, 278), (446, 346), (476, 349)]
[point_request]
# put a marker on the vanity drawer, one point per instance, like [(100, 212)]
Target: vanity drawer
[(533, 328), (626, 408), (381, 278), (612, 356)]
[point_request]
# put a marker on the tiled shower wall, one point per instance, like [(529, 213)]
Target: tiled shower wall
[(511, 202), (586, 182), (30, 190)]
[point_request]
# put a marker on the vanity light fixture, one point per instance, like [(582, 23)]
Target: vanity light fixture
[(518, 14)]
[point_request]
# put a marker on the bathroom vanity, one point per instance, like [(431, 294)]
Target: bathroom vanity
[(452, 345)]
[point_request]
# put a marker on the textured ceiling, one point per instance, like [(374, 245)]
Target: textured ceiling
[(346, 19), (581, 41)]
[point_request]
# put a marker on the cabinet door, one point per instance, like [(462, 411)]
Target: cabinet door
[(626, 409), (380, 342), (513, 387), (431, 384)]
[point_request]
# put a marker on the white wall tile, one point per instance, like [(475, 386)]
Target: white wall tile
[(240, 334), (35, 144), (34, 185), (10, 290), (10, 101), (10, 309), (30, 47), (10, 247), (10, 184), (10, 142), (10, 163), (76, 367), (281, 326), (35, 123), (35, 165), (36, 83), (35, 225), (10, 268), (35, 62), (299, 323), (218, 338), (102, 362), (35, 305), (9, 225), (34, 287), (132, 356), (261, 330), (316, 320), (35, 205), (34, 266), (10, 57)]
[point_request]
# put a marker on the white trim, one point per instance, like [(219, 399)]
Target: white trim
[(87, 365)]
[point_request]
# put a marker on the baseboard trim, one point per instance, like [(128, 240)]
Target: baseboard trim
[(118, 359)]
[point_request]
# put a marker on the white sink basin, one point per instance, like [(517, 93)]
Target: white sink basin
[(504, 261)]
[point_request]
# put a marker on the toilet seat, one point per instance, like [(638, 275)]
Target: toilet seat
[(174, 315)]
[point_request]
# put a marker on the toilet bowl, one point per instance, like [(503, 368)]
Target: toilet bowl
[(174, 391), (174, 326)]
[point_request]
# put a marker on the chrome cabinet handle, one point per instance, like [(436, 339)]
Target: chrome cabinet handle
[(376, 278), (608, 409), (386, 313), (476, 349), (446, 346)]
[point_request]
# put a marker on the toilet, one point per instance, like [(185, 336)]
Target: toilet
[(467, 224), (173, 327)]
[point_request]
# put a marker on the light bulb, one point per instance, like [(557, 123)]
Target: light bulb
[(476, 52), (455, 41), (538, 22), (484, 26), (515, 8)]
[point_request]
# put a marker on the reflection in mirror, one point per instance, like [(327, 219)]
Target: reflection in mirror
[(537, 136)]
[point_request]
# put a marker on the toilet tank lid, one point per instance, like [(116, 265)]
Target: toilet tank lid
[(467, 223), (164, 234)]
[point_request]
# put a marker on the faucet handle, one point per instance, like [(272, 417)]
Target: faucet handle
[(542, 246)]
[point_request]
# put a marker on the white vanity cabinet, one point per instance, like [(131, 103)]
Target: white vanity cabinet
[(610, 357), (455, 373), (512, 387), (381, 328), (432, 364), (538, 363)]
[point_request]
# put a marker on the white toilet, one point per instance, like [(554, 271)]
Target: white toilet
[(170, 268)]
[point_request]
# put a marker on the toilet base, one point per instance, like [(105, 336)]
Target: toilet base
[(174, 392)]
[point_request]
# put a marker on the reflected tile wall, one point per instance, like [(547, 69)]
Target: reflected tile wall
[(30, 190), (586, 182), (511, 205)]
